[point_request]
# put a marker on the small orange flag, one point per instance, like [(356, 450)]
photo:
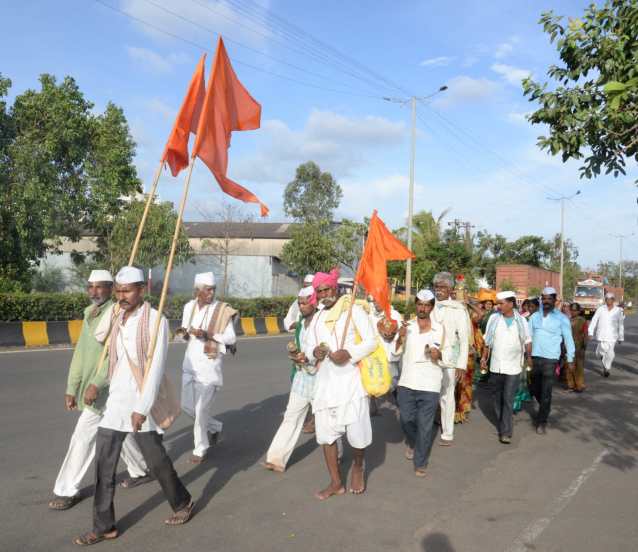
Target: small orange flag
[(176, 150), (381, 246), (227, 106)]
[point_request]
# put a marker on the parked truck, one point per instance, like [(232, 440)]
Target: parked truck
[(590, 293)]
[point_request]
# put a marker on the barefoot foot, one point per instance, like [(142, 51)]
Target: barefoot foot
[(330, 490), (357, 480)]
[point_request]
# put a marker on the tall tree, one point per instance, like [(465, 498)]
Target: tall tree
[(591, 107), (65, 170), (310, 249), (313, 195)]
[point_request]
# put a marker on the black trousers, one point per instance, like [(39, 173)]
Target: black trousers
[(107, 453), (504, 387), (542, 382)]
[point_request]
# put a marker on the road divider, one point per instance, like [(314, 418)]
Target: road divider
[(42, 334)]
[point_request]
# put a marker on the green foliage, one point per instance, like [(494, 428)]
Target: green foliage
[(63, 169), (507, 285), (70, 306), (49, 279), (310, 248), (156, 239), (312, 196), (591, 108)]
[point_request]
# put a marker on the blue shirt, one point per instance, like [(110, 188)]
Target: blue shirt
[(547, 334)]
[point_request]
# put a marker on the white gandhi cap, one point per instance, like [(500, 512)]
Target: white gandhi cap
[(502, 295), (425, 295), (609, 295), (129, 275), (100, 276), (205, 279), (306, 292), (549, 291), (308, 278)]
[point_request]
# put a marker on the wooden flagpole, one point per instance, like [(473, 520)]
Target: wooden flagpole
[(167, 274), (131, 260), (147, 207), (355, 285)]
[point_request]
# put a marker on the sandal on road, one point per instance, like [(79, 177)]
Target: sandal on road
[(131, 482), (93, 538), (64, 502), (181, 517)]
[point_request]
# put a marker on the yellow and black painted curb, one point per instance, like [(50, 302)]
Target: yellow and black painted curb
[(42, 334)]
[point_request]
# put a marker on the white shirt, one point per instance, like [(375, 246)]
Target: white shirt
[(340, 387), (419, 372), (124, 395), (453, 316), (292, 316), (608, 325), (205, 370), (507, 352), (388, 346)]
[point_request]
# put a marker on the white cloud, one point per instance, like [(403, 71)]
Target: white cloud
[(518, 118), (154, 62), (511, 75), (464, 89), (211, 16), (158, 106), (440, 61), (339, 144), (504, 49)]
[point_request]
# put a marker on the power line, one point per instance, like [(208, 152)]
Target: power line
[(235, 60)]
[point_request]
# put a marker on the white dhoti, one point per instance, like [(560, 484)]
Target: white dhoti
[(197, 401), (447, 403), (332, 423), (82, 451), (288, 433), (605, 350)]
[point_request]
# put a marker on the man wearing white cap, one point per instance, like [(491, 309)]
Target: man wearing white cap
[(420, 342), (301, 391), (608, 328), (453, 316), (83, 375), (549, 328), (207, 324), (292, 317), (140, 402), (508, 340)]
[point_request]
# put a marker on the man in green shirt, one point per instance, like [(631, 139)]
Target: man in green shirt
[(86, 381)]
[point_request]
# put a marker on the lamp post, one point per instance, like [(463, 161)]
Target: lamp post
[(562, 236)]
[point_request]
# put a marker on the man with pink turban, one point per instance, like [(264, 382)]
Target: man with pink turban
[(340, 402)]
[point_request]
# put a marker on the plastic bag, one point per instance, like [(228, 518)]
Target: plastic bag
[(375, 372)]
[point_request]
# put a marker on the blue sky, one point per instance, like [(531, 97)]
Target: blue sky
[(476, 154)]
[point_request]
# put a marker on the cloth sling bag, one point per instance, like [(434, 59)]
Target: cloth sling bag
[(166, 408)]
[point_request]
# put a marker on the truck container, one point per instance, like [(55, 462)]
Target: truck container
[(526, 280)]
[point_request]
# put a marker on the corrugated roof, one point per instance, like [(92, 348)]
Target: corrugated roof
[(249, 230)]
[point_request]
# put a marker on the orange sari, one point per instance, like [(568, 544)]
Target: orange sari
[(464, 388)]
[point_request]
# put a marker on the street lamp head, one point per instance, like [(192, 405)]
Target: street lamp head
[(577, 192), (443, 88)]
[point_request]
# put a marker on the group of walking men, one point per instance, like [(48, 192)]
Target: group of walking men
[(127, 402)]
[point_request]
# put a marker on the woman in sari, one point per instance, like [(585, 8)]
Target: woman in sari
[(465, 387)]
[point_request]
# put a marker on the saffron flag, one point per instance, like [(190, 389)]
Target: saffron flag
[(381, 246), (176, 150), (227, 106)]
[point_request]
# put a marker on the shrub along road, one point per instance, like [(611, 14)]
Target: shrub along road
[(573, 489)]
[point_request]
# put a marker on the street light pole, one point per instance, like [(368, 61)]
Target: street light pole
[(621, 237), (412, 101), (562, 238)]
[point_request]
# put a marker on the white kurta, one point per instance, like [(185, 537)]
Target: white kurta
[(202, 376), (608, 328), (124, 395), (394, 359), (507, 352), (453, 316), (340, 400), (205, 370), (419, 372), (292, 316)]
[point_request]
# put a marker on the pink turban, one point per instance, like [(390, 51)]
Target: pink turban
[(326, 279)]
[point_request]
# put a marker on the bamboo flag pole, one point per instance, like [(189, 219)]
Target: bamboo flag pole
[(167, 274), (355, 285), (147, 207)]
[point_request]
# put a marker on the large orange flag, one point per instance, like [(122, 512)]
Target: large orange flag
[(176, 150), (381, 246), (227, 106)]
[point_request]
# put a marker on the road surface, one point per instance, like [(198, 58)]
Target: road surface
[(574, 489)]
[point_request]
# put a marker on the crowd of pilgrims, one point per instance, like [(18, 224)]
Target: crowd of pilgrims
[(436, 359)]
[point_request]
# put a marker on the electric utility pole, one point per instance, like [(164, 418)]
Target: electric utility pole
[(562, 236)]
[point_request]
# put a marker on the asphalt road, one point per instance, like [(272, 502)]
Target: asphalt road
[(574, 489)]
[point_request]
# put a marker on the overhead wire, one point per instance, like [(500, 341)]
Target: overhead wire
[(234, 59)]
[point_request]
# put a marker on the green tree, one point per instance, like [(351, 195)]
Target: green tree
[(591, 107), (311, 248), (571, 268), (313, 195), (64, 170), (348, 238), (156, 239)]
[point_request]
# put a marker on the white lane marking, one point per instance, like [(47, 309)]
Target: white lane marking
[(51, 349), (533, 530)]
